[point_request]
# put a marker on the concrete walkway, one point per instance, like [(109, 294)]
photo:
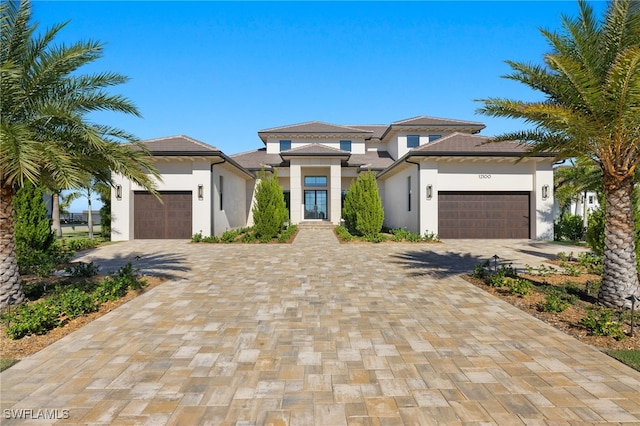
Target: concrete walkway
[(319, 333)]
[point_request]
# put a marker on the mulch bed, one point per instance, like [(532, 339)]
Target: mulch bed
[(28, 345), (569, 320)]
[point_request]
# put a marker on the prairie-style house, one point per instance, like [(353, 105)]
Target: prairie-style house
[(434, 175)]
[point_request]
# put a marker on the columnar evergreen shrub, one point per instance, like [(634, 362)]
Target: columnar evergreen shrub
[(269, 210), (362, 211), (34, 238)]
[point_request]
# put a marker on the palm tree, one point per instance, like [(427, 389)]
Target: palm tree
[(573, 182), (45, 136), (591, 85)]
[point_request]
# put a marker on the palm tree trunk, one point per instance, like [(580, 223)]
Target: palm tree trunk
[(55, 215), (10, 285), (620, 277), (90, 219)]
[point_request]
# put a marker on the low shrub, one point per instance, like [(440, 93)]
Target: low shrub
[(74, 302), (571, 269), (497, 279), (81, 269), (375, 238), (115, 286), (568, 228), (593, 263), (343, 233), (230, 235), (32, 318), (520, 287), (287, 233), (600, 321), (430, 237), (481, 270), (553, 303)]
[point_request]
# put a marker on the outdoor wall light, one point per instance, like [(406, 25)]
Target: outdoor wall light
[(119, 192), (200, 192), (429, 191), (545, 192)]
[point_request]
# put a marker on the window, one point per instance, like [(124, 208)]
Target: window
[(409, 193), (220, 186), (345, 145), (320, 181), (285, 145), (413, 141), (434, 137), (590, 199)]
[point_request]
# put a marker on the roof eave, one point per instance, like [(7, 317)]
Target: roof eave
[(411, 154)]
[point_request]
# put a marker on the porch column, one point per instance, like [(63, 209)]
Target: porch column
[(336, 192), (295, 194)]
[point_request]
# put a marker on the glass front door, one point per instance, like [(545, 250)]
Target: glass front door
[(315, 204)]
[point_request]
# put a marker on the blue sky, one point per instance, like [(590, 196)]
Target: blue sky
[(219, 72)]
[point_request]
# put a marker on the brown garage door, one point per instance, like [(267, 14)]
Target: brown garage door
[(171, 220), (467, 214)]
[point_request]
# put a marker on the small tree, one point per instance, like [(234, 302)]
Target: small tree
[(362, 212), (269, 211)]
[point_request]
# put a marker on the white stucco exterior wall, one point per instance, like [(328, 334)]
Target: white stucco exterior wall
[(357, 145), (234, 210), (395, 199), (186, 174), (500, 174), (542, 208), (121, 210)]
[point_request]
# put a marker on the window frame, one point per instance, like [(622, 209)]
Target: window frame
[(285, 142), (313, 184), (409, 137)]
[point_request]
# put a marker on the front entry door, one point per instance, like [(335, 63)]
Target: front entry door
[(315, 204)]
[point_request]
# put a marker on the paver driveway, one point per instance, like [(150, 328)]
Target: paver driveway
[(320, 333)]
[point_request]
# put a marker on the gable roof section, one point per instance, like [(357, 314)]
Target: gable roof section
[(371, 160), (377, 129), (426, 121), (184, 146), (466, 145), (313, 128), (179, 146), (257, 159), (315, 150)]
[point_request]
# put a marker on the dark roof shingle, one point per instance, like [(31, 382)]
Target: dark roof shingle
[(464, 143)]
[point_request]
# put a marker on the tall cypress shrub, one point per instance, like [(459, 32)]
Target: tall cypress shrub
[(34, 236), (269, 211), (362, 211)]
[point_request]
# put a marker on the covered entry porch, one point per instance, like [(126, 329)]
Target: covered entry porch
[(315, 190)]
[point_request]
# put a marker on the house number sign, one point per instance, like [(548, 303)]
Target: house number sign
[(484, 176)]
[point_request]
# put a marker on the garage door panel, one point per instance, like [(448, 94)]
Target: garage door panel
[(171, 219), (466, 214)]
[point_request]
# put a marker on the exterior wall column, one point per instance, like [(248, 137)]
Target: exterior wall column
[(428, 204), (295, 194), (122, 210), (201, 208), (335, 192), (542, 202)]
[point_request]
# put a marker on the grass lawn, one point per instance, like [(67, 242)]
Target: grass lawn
[(6, 363), (630, 357)]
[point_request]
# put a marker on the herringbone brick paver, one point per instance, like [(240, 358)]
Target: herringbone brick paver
[(322, 333)]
